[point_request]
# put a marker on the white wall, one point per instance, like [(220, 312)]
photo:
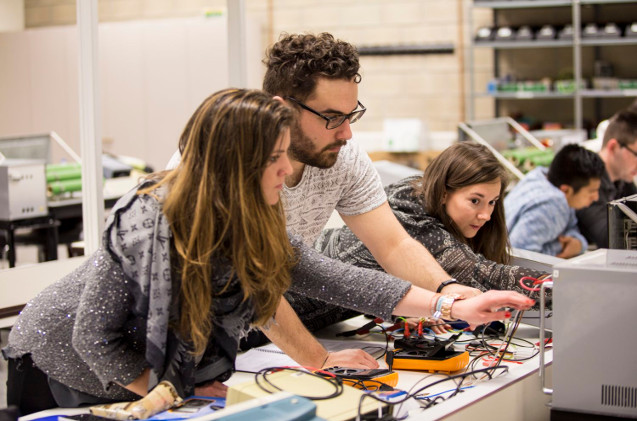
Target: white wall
[(153, 74), (11, 15)]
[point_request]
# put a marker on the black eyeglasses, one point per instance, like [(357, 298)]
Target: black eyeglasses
[(629, 150), (336, 120)]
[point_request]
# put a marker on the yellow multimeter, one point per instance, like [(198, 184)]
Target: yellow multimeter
[(443, 361)]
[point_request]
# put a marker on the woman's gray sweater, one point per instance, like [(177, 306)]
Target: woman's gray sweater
[(108, 320)]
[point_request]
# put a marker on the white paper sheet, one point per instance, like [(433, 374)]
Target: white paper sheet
[(270, 355)]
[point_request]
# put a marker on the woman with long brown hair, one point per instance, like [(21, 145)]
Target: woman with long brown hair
[(190, 261)]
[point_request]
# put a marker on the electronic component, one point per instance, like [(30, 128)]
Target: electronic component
[(419, 353), (428, 346), (22, 189), (622, 223), (495, 328), (596, 290), (367, 379), (443, 361)]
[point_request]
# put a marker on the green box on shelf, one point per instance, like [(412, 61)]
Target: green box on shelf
[(567, 86), (508, 87), (532, 86), (627, 84)]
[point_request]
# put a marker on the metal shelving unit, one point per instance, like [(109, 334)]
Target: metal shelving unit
[(576, 44), (518, 4), (605, 42), (521, 4), (616, 93), (525, 95), (502, 45)]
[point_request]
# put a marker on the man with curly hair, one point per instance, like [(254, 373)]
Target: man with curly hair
[(318, 76)]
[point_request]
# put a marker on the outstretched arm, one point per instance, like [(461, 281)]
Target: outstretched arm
[(477, 310), (288, 333)]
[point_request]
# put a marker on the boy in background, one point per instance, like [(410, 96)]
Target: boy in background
[(540, 210)]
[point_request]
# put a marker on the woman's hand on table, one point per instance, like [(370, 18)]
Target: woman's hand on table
[(350, 358), (213, 389)]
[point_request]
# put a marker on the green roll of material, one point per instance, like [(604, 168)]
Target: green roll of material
[(63, 174), (59, 172), (62, 186)]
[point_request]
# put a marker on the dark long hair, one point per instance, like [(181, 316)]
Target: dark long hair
[(464, 164), (215, 206)]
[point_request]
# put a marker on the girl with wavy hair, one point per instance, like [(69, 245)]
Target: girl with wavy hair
[(455, 210)]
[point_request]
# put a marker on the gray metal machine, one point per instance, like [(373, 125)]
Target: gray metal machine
[(622, 223), (23, 161), (595, 335), (22, 189)]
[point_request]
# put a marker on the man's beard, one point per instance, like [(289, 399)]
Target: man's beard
[(302, 150)]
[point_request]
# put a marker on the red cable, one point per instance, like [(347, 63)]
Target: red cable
[(535, 282)]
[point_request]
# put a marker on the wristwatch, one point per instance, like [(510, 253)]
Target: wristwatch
[(445, 283), (445, 309), (443, 306)]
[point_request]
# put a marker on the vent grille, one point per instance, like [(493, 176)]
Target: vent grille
[(619, 396)]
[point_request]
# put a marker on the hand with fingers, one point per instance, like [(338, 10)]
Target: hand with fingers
[(571, 246), (352, 358), (489, 306), (213, 389)]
